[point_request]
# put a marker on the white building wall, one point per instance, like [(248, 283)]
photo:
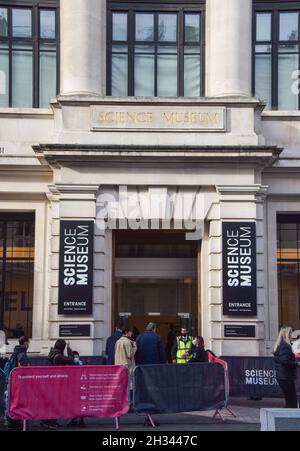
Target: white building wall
[(68, 190)]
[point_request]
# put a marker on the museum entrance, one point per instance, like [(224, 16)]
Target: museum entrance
[(156, 280)]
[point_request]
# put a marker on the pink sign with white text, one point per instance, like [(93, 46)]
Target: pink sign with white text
[(62, 392)]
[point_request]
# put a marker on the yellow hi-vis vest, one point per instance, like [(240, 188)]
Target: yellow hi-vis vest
[(183, 347)]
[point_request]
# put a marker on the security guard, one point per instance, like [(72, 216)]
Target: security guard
[(182, 347)]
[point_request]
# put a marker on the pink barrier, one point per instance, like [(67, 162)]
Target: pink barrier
[(213, 359), (64, 392)]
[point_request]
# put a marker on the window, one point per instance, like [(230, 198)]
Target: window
[(276, 54), (16, 273), (288, 260), (28, 53), (155, 50)]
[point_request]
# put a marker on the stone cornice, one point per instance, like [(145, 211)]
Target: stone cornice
[(240, 189), (252, 102), (28, 113), (25, 168), (74, 154), (70, 189)]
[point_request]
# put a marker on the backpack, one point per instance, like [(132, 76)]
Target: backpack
[(16, 359)]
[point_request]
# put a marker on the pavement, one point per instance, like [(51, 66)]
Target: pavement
[(246, 411)]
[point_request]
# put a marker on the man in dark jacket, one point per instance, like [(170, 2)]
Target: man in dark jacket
[(21, 359), (111, 343), (21, 352), (150, 350), (57, 356)]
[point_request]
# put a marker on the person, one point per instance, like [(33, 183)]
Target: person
[(171, 338), (135, 333), (2, 393), (16, 332), (124, 355), (286, 366), (76, 422), (18, 358), (198, 353), (181, 347), (296, 347), (111, 343), (125, 350), (57, 357), (21, 351), (77, 360), (150, 350)]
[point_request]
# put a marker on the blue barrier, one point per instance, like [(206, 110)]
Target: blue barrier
[(87, 360), (178, 388)]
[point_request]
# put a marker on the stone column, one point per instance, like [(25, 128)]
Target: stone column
[(236, 204), (228, 48), (74, 202), (82, 28)]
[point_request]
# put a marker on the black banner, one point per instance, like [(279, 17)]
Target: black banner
[(74, 330), (76, 268), (252, 377), (178, 388), (239, 269), (239, 331)]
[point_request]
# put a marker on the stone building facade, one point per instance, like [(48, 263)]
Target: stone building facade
[(211, 160)]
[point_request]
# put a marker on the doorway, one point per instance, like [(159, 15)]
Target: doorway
[(156, 281)]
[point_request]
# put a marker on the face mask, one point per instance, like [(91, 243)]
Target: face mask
[(194, 342), (76, 359)]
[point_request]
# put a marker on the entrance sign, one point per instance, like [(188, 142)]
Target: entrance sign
[(239, 269), (87, 391), (76, 268)]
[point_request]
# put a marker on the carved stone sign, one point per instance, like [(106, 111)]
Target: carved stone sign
[(150, 117)]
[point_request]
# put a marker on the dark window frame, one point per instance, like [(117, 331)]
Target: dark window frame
[(283, 220), (5, 218), (36, 6), (155, 7), (275, 8)]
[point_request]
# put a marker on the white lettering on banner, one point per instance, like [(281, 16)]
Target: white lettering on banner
[(239, 259), (260, 377), (76, 258)]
